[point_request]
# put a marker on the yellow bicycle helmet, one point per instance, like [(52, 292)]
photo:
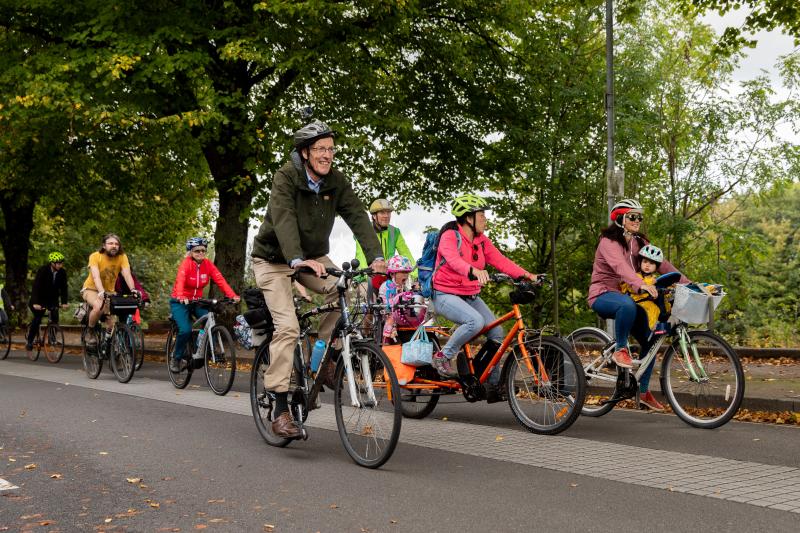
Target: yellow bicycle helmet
[(468, 203)]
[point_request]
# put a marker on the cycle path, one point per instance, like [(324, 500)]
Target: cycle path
[(774, 486)]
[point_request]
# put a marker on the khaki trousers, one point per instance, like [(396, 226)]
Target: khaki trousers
[(274, 281)]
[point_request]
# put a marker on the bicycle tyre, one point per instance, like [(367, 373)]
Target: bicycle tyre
[(123, 357), (553, 407), (361, 428), (420, 403), (33, 355), (5, 342), (588, 344), (92, 363), (699, 404), (53, 342), (261, 403), (221, 364), (138, 344), (179, 379)]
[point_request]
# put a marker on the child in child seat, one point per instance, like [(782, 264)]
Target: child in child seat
[(650, 258), (397, 290)]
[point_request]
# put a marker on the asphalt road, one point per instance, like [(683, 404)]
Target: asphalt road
[(87, 459)]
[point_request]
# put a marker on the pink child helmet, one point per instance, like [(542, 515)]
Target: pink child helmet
[(399, 263), (409, 316)]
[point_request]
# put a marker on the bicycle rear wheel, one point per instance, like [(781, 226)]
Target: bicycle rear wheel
[(369, 431), (179, 379), (138, 344), (92, 363), (5, 341), (601, 375), (262, 403), (704, 387), (545, 406), (122, 354), (53, 342), (220, 360)]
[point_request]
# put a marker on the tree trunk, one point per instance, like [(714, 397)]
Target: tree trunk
[(230, 233), (18, 214)]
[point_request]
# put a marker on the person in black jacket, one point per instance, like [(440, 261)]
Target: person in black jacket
[(49, 284)]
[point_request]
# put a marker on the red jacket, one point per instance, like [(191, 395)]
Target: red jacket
[(192, 277), (452, 276)]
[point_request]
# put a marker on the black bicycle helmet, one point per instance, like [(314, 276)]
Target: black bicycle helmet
[(311, 133)]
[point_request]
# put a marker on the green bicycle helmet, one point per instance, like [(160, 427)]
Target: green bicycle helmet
[(468, 203), (56, 257)]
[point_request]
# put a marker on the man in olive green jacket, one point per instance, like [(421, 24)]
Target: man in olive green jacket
[(306, 196)]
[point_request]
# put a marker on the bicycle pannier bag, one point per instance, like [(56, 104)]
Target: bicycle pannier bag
[(405, 373)]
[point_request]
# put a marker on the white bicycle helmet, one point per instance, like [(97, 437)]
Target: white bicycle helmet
[(624, 206), (653, 253)]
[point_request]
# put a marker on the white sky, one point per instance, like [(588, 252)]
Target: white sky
[(414, 220)]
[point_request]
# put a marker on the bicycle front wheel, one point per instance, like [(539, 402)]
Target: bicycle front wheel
[(138, 345), (92, 363), (53, 343), (5, 342), (601, 374), (33, 355), (705, 385), (262, 403), (220, 360), (546, 386), (181, 378), (369, 429), (122, 354)]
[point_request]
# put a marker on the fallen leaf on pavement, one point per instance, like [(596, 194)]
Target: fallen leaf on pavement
[(217, 501), (30, 516), (333, 506), (155, 505), (573, 484), (200, 526), (30, 466), (56, 476), (133, 479), (107, 520), (269, 527), (498, 438), (103, 453)]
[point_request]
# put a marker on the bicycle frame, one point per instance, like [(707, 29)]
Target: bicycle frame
[(681, 334), (206, 322), (517, 331)]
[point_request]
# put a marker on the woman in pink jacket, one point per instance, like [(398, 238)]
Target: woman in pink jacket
[(194, 273), (457, 282), (615, 261)]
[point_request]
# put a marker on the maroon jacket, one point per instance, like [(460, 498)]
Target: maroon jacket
[(613, 265)]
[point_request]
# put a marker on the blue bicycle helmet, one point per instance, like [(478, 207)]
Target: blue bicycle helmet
[(193, 242)]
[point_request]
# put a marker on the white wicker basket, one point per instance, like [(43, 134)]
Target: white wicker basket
[(694, 307)]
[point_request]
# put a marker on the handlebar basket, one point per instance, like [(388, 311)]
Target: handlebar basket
[(694, 307), (522, 295)]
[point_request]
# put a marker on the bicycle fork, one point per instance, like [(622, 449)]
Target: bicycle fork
[(355, 400), (689, 352)]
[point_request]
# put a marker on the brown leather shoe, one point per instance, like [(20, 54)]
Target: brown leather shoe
[(284, 427)]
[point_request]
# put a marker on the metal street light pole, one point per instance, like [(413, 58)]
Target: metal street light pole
[(615, 178)]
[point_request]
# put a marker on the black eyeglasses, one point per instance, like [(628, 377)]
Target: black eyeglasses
[(474, 252), (634, 217), (199, 250)]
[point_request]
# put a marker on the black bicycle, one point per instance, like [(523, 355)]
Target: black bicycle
[(115, 345), (368, 417), (49, 339)]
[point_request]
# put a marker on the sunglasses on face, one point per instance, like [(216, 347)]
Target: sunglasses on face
[(635, 217), (199, 251)]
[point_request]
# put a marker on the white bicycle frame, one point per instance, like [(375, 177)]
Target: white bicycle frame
[(206, 322)]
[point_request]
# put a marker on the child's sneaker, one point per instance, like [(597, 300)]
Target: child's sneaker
[(661, 328), (442, 365)]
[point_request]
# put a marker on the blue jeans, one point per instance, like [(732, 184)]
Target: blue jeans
[(629, 319), (473, 315), (182, 314)]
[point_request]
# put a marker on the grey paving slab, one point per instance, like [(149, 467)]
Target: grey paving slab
[(698, 474)]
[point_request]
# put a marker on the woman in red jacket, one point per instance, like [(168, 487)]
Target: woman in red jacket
[(463, 255), (194, 273)]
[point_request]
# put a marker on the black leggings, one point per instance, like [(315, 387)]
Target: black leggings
[(37, 321)]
